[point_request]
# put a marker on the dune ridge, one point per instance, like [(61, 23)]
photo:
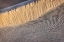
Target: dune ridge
[(28, 12)]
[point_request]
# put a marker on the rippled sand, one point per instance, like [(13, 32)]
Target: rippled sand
[(28, 12)]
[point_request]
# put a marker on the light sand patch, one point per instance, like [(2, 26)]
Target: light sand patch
[(27, 13)]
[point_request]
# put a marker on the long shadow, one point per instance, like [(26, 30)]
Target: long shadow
[(7, 5), (47, 28)]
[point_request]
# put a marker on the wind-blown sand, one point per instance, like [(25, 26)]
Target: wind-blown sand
[(28, 12), (47, 28)]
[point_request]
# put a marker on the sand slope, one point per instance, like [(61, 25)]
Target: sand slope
[(47, 28), (27, 13)]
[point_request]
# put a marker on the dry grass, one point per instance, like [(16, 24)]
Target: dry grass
[(27, 13)]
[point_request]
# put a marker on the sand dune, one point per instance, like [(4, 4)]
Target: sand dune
[(47, 28), (28, 12)]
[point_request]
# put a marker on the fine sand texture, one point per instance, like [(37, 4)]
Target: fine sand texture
[(47, 28), (27, 12)]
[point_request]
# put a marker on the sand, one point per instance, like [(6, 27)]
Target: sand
[(27, 12)]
